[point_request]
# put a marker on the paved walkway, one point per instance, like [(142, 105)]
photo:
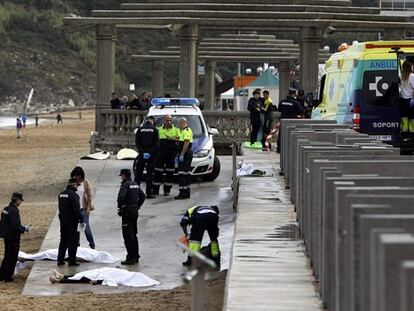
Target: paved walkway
[(158, 227), (268, 268)]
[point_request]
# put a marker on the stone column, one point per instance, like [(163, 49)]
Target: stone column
[(105, 71), (157, 78), (210, 84), (284, 79), (197, 77), (310, 41), (188, 60), (394, 34)]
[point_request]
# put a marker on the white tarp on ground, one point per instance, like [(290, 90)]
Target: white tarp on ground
[(245, 169), (115, 277), (85, 254)]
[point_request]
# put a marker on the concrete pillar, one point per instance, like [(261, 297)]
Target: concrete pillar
[(394, 34), (188, 60), (105, 70), (310, 41), (210, 84), (197, 78), (284, 79), (157, 78)]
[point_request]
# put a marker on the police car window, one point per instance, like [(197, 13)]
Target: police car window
[(380, 88), (194, 123)]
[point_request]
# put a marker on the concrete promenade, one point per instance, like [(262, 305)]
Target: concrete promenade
[(268, 268), (158, 231)]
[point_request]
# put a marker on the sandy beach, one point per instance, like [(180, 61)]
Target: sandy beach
[(38, 164)]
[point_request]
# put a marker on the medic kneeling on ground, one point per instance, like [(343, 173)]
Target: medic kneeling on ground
[(202, 218)]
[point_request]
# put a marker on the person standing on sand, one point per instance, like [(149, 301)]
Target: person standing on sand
[(10, 230), (59, 118), (19, 126), (24, 119)]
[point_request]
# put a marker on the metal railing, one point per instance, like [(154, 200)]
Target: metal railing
[(119, 125)]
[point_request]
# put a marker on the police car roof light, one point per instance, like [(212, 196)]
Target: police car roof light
[(175, 102)]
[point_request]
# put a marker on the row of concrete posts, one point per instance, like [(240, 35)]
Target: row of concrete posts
[(354, 199)]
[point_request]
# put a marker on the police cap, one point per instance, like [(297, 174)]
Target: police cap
[(292, 91), (126, 172), (17, 195)]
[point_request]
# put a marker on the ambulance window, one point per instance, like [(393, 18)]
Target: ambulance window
[(380, 88)]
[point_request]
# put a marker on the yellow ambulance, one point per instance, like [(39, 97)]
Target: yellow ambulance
[(360, 87)]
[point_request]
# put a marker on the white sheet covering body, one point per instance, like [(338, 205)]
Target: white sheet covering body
[(115, 277), (85, 254)]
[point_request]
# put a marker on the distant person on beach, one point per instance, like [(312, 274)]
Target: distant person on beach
[(10, 230), (59, 118), (19, 126), (37, 120), (24, 119), (84, 192)]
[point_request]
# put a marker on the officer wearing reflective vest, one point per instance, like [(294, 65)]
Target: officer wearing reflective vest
[(146, 140), (69, 216), (10, 230), (202, 218), (166, 154), (185, 156), (130, 199)]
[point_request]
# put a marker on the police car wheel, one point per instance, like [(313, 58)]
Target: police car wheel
[(215, 172)]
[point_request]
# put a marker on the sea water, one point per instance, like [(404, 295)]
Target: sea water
[(8, 122)]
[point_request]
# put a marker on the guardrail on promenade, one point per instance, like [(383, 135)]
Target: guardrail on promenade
[(232, 126)]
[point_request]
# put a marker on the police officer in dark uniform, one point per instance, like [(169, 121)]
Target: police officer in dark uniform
[(289, 108), (202, 218), (166, 154), (254, 107), (185, 156), (130, 199), (10, 230), (69, 216), (146, 140)]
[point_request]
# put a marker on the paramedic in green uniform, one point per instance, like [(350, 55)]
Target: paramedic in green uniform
[(185, 156), (166, 154)]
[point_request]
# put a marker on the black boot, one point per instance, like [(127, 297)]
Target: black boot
[(188, 262), (181, 196)]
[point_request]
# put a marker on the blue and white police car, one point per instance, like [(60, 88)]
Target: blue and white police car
[(205, 163)]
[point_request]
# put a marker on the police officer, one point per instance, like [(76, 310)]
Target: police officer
[(166, 154), (146, 140), (202, 218), (185, 156), (130, 199), (289, 108), (10, 230), (253, 107), (69, 216)]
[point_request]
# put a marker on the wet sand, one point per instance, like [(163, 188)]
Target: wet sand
[(38, 165)]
